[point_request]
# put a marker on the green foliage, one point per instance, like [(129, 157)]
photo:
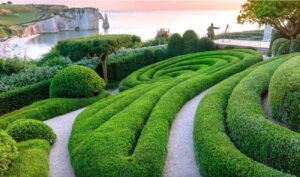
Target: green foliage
[(160, 54), (206, 44), (32, 160), (49, 108), (11, 66), (275, 13), (175, 45), (216, 154), (148, 54), (276, 45), (76, 82), (27, 77), (16, 99), (28, 129), (99, 45), (8, 151), (284, 94), (284, 48), (295, 45), (127, 134), (190, 42), (251, 132)]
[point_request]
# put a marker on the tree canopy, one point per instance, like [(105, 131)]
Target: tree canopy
[(282, 15)]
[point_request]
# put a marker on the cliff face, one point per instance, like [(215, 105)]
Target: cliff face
[(66, 20)]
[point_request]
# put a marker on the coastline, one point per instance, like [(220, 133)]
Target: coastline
[(15, 46)]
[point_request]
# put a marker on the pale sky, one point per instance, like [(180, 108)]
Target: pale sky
[(144, 4)]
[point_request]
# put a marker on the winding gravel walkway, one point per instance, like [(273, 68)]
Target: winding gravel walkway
[(181, 160), (59, 160)]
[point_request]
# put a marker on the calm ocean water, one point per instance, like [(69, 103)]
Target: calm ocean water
[(145, 24)]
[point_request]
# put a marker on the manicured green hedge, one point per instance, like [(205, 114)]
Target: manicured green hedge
[(175, 46), (276, 45), (76, 82), (28, 129), (32, 159), (8, 151), (127, 134), (16, 99), (190, 42), (216, 155), (49, 108), (284, 48), (206, 44), (252, 133), (284, 93)]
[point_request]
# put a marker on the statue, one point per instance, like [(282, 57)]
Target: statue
[(211, 31)]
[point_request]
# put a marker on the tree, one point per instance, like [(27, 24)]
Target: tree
[(282, 15), (95, 46)]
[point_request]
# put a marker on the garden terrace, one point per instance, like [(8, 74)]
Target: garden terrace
[(127, 134), (231, 127)]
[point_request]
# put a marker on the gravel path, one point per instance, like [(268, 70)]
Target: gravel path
[(181, 160), (59, 160)]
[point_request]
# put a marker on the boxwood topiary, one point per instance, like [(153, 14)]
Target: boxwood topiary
[(8, 151), (284, 94), (190, 42), (175, 45), (284, 48), (160, 54), (206, 44), (276, 45), (295, 45), (76, 82), (27, 129)]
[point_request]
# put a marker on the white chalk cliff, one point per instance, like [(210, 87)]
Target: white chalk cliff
[(66, 20)]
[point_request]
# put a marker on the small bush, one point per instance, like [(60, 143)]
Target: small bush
[(28, 129), (175, 45), (295, 45), (160, 54), (206, 44), (284, 94), (8, 151), (284, 48), (276, 44), (11, 65), (76, 82), (228, 47), (190, 42)]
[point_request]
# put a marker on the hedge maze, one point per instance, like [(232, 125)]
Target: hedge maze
[(127, 134), (232, 134)]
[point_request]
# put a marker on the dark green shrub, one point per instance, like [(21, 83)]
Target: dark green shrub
[(11, 65), (16, 99), (148, 55), (284, 48), (295, 45), (175, 45), (284, 94), (190, 42), (76, 82), (53, 53), (28, 129), (206, 44), (8, 151), (160, 54), (228, 47), (276, 44)]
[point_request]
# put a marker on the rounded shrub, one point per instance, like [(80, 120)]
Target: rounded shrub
[(148, 54), (76, 82), (206, 44), (190, 42), (295, 45), (284, 94), (175, 45), (160, 54), (27, 129), (8, 151), (276, 44), (284, 48)]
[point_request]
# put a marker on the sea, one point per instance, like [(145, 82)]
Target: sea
[(145, 24)]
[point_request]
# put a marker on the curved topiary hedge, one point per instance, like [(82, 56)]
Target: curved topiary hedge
[(76, 82), (127, 134), (8, 151), (276, 44), (284, 48), (253, 134), (284, 94), (27, 129)]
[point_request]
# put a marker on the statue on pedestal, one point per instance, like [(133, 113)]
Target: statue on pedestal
[(211, 31)]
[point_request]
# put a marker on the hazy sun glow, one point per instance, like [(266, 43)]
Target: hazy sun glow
[(145, 4)]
